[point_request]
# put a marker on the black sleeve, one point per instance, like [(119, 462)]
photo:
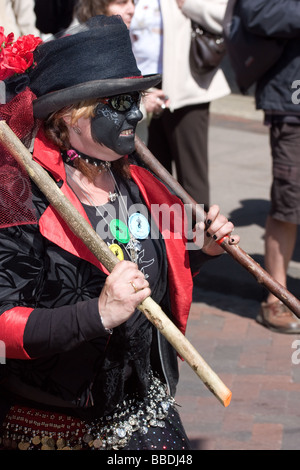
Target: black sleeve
[(69, 326), (23, 267)]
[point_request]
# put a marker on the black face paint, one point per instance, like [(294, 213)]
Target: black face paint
[(116, 128)]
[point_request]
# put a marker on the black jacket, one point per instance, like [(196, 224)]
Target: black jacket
[(277, 92)]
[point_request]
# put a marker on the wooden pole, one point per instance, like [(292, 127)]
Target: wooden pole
[(82, 229), (234, 251)]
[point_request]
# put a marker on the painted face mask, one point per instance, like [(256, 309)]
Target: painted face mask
[(115, 122)]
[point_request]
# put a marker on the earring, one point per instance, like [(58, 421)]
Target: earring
[(77, 130)]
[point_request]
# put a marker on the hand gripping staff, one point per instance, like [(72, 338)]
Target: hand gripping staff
[(82, 229), (235, 251)]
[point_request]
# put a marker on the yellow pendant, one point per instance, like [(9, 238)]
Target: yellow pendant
[(117, 251)]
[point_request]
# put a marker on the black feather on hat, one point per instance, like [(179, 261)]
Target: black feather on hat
[(93, 60)]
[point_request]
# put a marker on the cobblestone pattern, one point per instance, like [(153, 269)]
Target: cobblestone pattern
[(256, 365)]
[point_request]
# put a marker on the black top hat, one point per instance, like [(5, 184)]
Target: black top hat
[(92, 60)]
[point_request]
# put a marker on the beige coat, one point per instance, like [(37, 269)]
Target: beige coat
[(18, 17), (178, 83)]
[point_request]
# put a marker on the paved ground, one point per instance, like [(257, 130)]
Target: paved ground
[(255, 364)]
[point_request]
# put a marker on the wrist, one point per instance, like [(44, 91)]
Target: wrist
[(108, 330)]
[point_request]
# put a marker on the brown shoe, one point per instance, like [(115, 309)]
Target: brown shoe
[(278, 317)]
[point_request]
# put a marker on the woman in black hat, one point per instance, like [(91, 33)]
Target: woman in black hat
[(84, 368)]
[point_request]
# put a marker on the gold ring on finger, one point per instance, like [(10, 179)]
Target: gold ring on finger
[(134, 286)]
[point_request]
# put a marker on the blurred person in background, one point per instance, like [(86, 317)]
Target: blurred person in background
[(277, 96), (85, 9), (18, 17), (53, 16), (161, 37)]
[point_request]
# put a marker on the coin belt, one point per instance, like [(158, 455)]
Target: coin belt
[(32, 429)]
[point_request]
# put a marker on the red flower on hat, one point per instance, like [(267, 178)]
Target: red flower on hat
[(16, 57)]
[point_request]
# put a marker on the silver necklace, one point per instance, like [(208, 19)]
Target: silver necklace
[(133, 245)]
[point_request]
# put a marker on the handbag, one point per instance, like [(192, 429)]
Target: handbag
[(250, 55), (206, 51)]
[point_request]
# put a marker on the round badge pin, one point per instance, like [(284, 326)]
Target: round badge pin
[(117, 251), (139, 226), (119, 231)]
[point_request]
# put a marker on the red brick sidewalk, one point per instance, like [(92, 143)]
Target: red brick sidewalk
[(256, 365)]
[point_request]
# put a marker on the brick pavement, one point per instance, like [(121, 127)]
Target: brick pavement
[(255, 364)]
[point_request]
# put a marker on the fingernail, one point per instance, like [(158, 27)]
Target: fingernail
[(207, 234), (208, 222), (215, 237)]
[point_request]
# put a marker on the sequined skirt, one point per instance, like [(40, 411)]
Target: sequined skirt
[(153, 423)]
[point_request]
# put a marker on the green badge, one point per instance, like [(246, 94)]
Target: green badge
[(119, 231)]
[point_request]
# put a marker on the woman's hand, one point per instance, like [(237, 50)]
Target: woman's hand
[(125, 288), (155, 101), (216, 227)]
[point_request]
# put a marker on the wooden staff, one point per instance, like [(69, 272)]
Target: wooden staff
[(82, 229), (235, 251)]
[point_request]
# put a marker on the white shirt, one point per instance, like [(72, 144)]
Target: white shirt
[(146, 32)]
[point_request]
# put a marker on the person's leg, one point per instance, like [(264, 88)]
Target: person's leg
[(280, 240), (158, 142), (189, 146), (182, 136), (282, 223)]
